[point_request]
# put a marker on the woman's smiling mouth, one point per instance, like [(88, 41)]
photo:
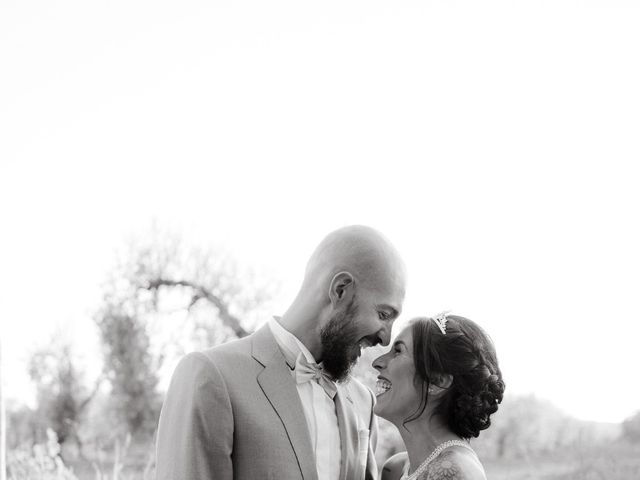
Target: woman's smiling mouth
[(382, 386)]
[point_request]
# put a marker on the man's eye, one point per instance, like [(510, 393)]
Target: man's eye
[(382, 316)]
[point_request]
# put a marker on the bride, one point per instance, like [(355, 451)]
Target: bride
[(439, 384)]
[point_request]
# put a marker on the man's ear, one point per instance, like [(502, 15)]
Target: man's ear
[(341, 287)]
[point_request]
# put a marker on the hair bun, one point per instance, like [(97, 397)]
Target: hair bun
[(471, 410)]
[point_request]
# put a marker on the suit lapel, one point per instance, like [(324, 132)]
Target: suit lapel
[(280, 389), (347, 424)]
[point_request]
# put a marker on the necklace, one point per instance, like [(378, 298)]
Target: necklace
[(438, 450)]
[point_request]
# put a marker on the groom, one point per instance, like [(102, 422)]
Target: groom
[(280, 403)]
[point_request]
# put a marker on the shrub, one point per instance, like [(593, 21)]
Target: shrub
[(41, 461)]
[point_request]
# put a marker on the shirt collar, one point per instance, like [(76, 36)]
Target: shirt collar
[(290, 346)]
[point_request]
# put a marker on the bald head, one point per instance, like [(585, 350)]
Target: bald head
[(359, 250), (352, 292)]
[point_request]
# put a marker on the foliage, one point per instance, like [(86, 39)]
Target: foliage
[(130, 369), (25, 425), (612, 461), (124, 462), (102, 423), (526, 426), (42, 462), (631, 428), (60, 392)]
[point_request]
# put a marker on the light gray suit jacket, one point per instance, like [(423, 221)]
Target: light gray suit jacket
[(233, 412)]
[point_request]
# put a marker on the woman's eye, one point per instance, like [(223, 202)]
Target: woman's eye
[(382, 315)]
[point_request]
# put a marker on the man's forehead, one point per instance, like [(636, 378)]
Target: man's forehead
[(391, 293)]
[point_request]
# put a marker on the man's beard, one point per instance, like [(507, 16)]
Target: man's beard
[(339, 337)]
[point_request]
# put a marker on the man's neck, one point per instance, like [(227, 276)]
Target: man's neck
[(305, 328)]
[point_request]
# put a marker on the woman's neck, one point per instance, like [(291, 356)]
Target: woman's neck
[(421, 437)]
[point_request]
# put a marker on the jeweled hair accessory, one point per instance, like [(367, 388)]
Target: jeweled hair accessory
[(441, 321)]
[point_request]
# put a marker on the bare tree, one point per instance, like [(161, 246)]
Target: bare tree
[(162, 299)]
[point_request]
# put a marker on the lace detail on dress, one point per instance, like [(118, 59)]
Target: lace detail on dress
[(424, 465)]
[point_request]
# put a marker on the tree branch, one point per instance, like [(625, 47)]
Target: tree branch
[(201, 292), (93, 393)]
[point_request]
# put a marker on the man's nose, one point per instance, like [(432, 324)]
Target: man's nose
[(379, 363), (384, 335)]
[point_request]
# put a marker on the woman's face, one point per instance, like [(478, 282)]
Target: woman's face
[(398, 397)]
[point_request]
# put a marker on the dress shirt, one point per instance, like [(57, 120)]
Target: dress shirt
[(319, 408)]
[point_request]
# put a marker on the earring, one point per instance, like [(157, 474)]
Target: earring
[(434, 389)]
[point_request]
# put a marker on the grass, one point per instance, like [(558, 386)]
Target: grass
[(121, 460), (127, 460), (617, 461)]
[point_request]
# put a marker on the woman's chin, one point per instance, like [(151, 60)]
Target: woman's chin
[(379, 411), (379, 408)]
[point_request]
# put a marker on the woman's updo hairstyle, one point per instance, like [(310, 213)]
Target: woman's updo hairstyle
[(467, 353)]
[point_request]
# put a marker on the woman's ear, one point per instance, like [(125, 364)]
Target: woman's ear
[(440, 383), (341, 287)]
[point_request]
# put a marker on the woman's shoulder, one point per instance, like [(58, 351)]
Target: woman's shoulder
[(456, 463), (393, 468)]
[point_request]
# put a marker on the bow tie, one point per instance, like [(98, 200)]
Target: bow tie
[(306, 371)]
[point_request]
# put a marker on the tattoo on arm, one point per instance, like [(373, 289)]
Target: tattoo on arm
[(444, 468)]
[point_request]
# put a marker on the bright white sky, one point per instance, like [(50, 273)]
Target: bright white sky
[(493, 142)]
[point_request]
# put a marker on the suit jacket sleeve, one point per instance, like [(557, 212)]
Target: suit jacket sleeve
[(195, 433)]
